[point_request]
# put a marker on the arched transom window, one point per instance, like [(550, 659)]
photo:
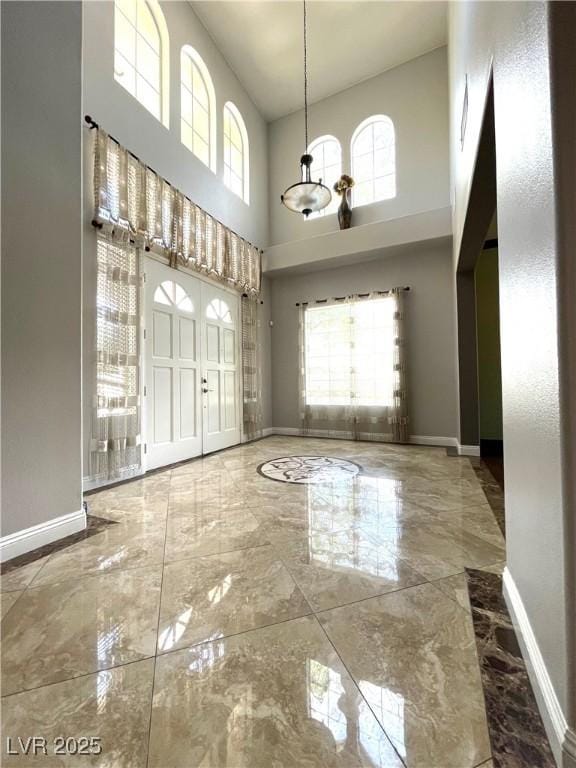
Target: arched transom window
[(326, 165), (172, 294), (373, 151), (219, 310), (198, 107), (236, 155), (141, 53)]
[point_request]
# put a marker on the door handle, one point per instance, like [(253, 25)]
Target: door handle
[(204, 389)]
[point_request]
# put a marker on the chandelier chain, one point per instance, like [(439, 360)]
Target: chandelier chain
[(305, 82), (306, 196)]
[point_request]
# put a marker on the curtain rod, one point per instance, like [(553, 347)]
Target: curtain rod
[(93, 124), (245, 296), (342, 298)]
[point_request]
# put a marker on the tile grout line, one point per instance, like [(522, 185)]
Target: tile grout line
[(7, 696), (158, 626), (312, 613), (372, 597), (351, 602), (158, 655), (91, 575), (38, 572), (359, 690), (14, 603)]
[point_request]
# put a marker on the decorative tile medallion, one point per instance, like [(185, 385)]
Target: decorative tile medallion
[(306, 470)]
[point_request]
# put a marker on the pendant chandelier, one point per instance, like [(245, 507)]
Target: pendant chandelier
[(306, 196)]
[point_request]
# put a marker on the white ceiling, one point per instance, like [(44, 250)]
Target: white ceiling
[(348, 41)]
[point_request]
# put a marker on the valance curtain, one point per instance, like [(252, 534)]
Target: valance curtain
[(347, 388), (115, 445), (133, 204), (251, 378)]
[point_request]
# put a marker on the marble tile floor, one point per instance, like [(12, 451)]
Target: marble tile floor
[(516, 730), (226, 619)]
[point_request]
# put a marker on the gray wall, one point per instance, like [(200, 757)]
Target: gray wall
[(430, 330), (415, 96), (539, 504), (41, 261), (122, 115)]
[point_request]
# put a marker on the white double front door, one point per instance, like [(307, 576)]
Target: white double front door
[(192, 383)]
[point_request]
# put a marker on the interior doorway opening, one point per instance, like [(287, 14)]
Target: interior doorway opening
[(487, 295), (478, 298)]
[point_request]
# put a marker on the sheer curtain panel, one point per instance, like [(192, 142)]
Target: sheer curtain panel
[(352, 367), (115, 444), (251, 378)]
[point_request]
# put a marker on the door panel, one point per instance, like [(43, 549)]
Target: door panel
[(172, 393), (213, 402), (229, 346), (188, 392), (220, 317), (187, 339), (230, 399), (212, 343), (162, 334), (162, 398)]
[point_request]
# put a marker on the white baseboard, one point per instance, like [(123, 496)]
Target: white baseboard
[(468, 450), (342, 435), (286, 431), (438, 441), (434, 440), (562, 738), (15, 544), (268, 431)]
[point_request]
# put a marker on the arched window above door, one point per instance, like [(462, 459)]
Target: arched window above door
[(219, 310), (172, 294)]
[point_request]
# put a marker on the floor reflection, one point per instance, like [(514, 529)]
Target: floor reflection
[(351, 550), (338, 705)]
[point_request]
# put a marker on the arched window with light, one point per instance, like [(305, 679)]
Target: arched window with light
[(373, 151), (326, 165), (197, 107), (236, 153), (141, 54)]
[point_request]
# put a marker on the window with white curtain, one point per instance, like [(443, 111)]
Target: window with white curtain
[(197, 107), (349, 353), (326, 165), (236, 155), (141, 53), (373, 150)]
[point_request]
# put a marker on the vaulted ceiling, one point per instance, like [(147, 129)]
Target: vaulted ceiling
[(347, 42)]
